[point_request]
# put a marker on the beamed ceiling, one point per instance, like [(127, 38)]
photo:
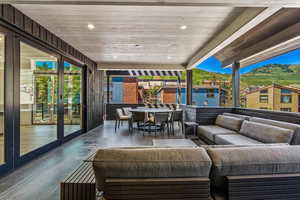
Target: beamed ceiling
[(148, 33)]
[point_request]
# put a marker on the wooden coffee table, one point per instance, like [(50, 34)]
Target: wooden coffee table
[(173, 143)]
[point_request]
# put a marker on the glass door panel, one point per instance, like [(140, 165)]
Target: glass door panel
[(38, 98), (72, 98), (2, 86)]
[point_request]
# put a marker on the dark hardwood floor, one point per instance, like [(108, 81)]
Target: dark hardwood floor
[(40, 179)]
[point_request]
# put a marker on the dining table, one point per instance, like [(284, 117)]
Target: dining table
[(147, 125), (150, 110)]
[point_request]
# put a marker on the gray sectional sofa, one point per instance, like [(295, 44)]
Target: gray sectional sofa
[(232, 129), (217, 173), (247, 158)]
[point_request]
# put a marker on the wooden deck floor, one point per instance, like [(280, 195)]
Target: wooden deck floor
[(40, 179)]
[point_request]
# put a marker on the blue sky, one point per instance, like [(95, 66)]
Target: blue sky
[(213, 65)]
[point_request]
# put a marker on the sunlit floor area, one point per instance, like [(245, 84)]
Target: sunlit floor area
[(40, 179), (33, 137)]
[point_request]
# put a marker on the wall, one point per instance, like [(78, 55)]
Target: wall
[(168, 95), (95, 107), (117, 91), (130, 91), (277, 101), (274, 100), (253, 101)]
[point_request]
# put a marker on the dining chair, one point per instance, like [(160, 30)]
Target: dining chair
[(177, 116), (120, 117), (161, 120), (139, 118), (126, 111)]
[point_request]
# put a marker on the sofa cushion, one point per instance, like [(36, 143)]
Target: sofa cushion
[(294, 127), (244, 117), (241, 145), (150, 163), (266, 133), (232, 123), (253, 161), (211, 131), (235, 140)]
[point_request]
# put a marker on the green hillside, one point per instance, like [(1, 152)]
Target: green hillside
[(274, 73)]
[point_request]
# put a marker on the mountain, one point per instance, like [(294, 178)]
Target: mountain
[(283, 74)]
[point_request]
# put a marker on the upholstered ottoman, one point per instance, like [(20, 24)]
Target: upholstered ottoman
[(151, 172)]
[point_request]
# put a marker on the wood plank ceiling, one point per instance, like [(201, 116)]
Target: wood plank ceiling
[(149, 34), (134, 34)]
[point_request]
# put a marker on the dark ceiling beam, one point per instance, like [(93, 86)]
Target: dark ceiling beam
[(249, 19), (286, 36), (276, 50)]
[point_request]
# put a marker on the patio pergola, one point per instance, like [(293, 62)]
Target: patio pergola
[(71, 45)]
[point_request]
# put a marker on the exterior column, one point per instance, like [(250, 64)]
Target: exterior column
[(236, 84), (189, 87), (179, 89), (107, 87)]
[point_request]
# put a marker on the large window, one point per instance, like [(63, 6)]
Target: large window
[(263, 99), (272, 84), (38, 98), (286, 99), (2, 57), (212, 84), (72, 98)]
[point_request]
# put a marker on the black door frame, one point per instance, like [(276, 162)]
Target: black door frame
[(13, 37), (21, 159), (8, 102), (83, 97)]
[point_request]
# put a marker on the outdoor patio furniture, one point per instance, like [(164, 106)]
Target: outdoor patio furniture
[(177, 116), (230, 130), (148, 124), (133, 173), (263, 172), (173, 143), (190, 129), (161, 121), (139, 118), (126, 111), (120, 117)]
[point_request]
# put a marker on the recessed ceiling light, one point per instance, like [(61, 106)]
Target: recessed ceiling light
[(91, 26), (183, 27), (115, 57)]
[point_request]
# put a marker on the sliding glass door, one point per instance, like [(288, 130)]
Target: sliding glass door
[(38, 98), (42, 100), (73, 90)]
